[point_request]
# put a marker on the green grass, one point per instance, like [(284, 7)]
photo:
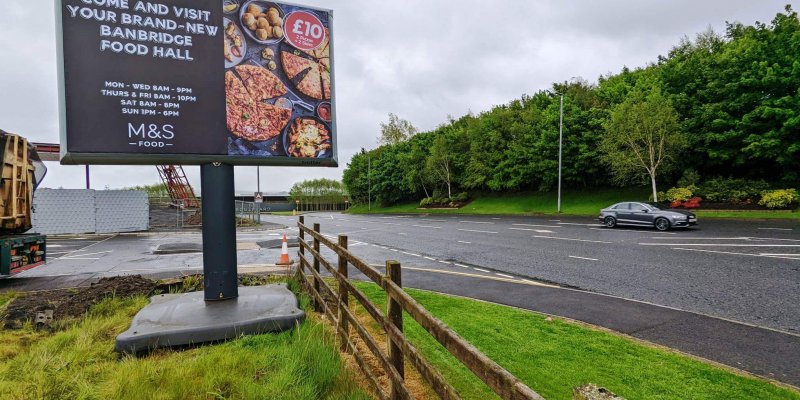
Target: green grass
[(766, 214), (78, 362), (554, 357), (573, 202)]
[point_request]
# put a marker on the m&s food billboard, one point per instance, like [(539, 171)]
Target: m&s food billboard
[(196, 81)]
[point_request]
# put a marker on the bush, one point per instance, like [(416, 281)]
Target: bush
[(780, 198), (680, 193), (461, 197), (690, 178), (736, 191), (424, 202)]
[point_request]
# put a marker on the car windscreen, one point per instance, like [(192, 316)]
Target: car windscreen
[(657, 206)]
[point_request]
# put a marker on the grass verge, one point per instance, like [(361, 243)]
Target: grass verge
[(78, 362), (573, 202), (554, 356)]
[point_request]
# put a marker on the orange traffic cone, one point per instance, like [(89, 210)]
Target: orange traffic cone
[(285, 253)]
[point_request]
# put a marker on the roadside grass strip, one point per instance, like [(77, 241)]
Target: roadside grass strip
[(77, 362), (552, 357)]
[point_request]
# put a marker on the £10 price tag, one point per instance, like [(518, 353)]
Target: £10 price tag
[(304, 30)]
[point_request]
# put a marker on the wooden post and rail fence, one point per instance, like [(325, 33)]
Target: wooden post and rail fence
[(400, 349)]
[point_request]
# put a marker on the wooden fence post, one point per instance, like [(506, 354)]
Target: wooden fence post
[(343, 298), (394, 312), (318, 307), (302, 238)]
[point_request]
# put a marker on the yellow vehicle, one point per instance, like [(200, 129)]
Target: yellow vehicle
[(21, 173)]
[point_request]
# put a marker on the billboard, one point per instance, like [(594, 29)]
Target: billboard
[(244, 82)]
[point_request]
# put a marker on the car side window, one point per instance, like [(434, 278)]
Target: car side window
[(637, 207), (622, 206)]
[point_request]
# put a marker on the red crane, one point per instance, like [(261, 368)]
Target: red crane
[(178, 187)]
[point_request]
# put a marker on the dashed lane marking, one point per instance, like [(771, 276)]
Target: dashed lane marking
[(480, 269), (427, 226), (535, 225), (583, 258), (738, 254), (461, 265), (576, 224), (775, 229), (429, 258), (461, 241), (571, 239), (444, 262), (476, 222), (531, 230), (720, 244), (477, 231), (489, 277), (504, 275)]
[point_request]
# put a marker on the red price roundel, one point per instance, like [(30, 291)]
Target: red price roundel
[(304, 30)]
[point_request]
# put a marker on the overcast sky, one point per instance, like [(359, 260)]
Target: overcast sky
[(422, 60)]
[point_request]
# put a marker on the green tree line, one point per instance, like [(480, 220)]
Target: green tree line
[(730, 103), (319, 195)]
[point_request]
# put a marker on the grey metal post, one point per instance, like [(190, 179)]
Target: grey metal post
[(560, 139), (219, 232), (258, 189), (369, 183)]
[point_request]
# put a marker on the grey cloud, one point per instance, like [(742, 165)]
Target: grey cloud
[(422, 60)]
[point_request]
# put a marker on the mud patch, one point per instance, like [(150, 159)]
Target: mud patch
[(70, 303)]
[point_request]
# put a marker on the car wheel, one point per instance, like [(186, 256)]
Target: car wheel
[(662, 224), (610, 222)]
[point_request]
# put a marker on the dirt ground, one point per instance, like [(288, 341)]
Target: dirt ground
[(69, 303)]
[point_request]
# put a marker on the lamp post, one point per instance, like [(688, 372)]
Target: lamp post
[(560, 141), (297, 205), (369, 184)]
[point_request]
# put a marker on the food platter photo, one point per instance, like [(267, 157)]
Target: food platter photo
[(262, 21), (235, 44), (307, 137)]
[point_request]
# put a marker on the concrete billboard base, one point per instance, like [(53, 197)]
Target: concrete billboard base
[(187, 319)]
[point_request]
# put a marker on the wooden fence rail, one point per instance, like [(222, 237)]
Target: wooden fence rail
[(502, 382)]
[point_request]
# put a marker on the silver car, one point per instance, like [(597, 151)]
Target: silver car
[(646, 214)]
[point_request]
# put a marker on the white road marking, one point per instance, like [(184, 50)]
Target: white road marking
[(552, 220), (629, 230), (503, 275), (738, 254), (432, 220), (535, 225), (576, 240), (572, 223), (390, 223), (429, 258), (472, 230), (49, 246), (394, 250), (410, 254), (91, 254), (461, 241), (533, 230), (460, 265), (480, 269), (445, 262), (776, 229), (476, 222), (720, 245), (427, 226), (583, 258), (700, 238), (401, 233), (780, 255), (76, 258)]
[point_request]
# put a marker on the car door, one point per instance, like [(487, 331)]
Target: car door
[(624, 215), (641, 214)]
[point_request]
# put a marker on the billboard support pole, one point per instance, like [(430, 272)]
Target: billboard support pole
[(219, 232)]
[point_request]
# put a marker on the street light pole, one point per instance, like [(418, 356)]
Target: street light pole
[(560, 141), (258, 189), (369, 183)]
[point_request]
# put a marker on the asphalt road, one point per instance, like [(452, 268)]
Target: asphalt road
[(744, 271)]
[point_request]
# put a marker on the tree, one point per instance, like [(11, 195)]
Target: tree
[(642, 135), (396, 130), (439, 163)]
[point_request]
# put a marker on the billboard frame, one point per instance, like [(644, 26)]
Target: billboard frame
[(99, 158)]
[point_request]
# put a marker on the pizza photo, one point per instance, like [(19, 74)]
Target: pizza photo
[(278, 84)]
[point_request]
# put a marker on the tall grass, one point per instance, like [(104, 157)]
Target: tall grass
[(78, 362)]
